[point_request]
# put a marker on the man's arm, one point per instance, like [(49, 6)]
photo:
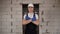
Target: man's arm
[(36, 22), (26, 21)]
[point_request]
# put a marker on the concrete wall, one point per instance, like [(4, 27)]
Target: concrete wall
[(51, 9), (11, 16)]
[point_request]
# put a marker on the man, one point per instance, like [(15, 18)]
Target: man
[(30, 20)]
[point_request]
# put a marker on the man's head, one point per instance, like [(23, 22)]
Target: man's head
[(30, 8)]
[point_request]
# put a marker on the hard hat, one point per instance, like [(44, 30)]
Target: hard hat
[(30, 5)]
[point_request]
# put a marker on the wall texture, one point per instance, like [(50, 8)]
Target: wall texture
[(11, 16)]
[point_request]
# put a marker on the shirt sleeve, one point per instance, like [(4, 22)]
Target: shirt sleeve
[(24, 16), (36, 16)]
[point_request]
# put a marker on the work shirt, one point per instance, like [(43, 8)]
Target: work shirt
[(32, 16)]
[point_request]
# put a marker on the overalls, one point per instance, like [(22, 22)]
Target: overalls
[(30, 27)]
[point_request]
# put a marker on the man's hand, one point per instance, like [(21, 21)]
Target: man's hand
[(29, 21), (36, 22), (26, 21)]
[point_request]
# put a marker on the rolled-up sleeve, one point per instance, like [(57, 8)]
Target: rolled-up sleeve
[(24, 16), (36, 16)]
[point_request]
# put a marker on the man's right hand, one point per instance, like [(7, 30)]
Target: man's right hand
[(27, 21)]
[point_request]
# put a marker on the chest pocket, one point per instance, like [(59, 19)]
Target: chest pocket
[(33, 19)]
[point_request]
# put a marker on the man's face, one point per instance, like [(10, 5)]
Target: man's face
[(30, 9)]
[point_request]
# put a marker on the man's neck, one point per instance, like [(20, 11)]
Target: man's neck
[(30, 12)]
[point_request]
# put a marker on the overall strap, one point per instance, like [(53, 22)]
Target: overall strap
[(34, 14), (27, 18), (27, 14)]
